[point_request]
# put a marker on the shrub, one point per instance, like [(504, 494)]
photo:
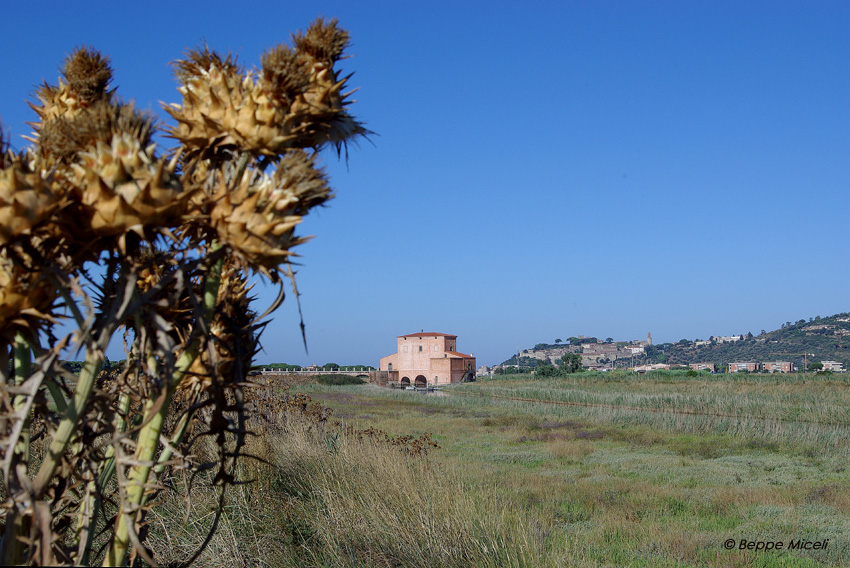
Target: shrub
[(339, 380)]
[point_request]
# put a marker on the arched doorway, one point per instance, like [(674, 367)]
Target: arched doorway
[(420, 381), (405, 381)]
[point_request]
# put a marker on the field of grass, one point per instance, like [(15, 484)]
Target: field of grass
[(585, 470)]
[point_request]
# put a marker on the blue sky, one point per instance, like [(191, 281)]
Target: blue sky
[(597, 168)]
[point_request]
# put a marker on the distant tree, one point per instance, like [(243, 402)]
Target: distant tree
[(545, 369), (73, 366), (762, 332), (557, 341), (814, 367), (609, 340), (540, 346), (749, 335), (571, 363)]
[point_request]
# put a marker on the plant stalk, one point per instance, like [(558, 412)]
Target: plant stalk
[(149, 435)]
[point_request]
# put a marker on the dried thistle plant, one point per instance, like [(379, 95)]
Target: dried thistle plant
[(100, 228)]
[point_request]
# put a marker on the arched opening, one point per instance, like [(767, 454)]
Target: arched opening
[(420, 381), (405, 381), (389, 367)]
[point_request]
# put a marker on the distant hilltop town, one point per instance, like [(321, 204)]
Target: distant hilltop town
[(596, 354), (815, 344)]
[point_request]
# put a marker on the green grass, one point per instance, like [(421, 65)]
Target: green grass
[(636, 471)]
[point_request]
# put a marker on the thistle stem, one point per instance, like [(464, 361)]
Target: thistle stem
[(154, 419), (13, 549), (66, 428), (23, 369)]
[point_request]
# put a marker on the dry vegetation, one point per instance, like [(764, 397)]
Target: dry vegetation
[(107, 238), (525, 483)]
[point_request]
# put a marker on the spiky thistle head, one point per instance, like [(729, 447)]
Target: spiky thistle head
[(106, 156), (26, 200), (324, 41), (26, 295), (294, 101), (285, 74), (257, 218), (232, 333), (86, 75)]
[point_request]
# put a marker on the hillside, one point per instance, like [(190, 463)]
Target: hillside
[(820, 338)]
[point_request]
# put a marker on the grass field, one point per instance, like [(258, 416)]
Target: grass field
[(585, 470)]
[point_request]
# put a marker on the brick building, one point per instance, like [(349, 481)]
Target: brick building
[(777, 367), (428, 358), (749, 367)]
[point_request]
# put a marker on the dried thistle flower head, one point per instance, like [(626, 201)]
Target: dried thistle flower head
[(26, 200), (232, 334), (116, 178), (295, 101), (63, 138), (86, 75), (221, 108), (257, 218), (25, 294), (285, 74), (323, 41)]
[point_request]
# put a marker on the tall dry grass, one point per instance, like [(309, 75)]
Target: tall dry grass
[(328, 496)]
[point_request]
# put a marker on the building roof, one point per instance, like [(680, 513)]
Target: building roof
[(428, 334), (456, 354)]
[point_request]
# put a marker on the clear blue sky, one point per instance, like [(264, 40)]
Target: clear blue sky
[(597, 168)]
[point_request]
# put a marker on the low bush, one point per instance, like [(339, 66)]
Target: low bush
[(339, 380)]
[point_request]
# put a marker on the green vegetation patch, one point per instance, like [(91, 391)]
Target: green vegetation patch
[(339, 380)]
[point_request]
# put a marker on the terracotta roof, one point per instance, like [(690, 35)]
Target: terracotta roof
[(456, 354), (428, 334)]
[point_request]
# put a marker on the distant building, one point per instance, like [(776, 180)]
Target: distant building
[(703, 367), (652, 367), (777, 367), (728, 338), (428, 358), (749, 367), (645, 343), (601, 349), (833, 366)]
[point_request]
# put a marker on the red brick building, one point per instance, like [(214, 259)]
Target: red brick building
[(428, 358)]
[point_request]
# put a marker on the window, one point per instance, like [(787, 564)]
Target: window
[(420, 349), (435, 349)]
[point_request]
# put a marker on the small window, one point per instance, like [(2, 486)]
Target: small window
[(405, 348), (420, 349), (435, 349)]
